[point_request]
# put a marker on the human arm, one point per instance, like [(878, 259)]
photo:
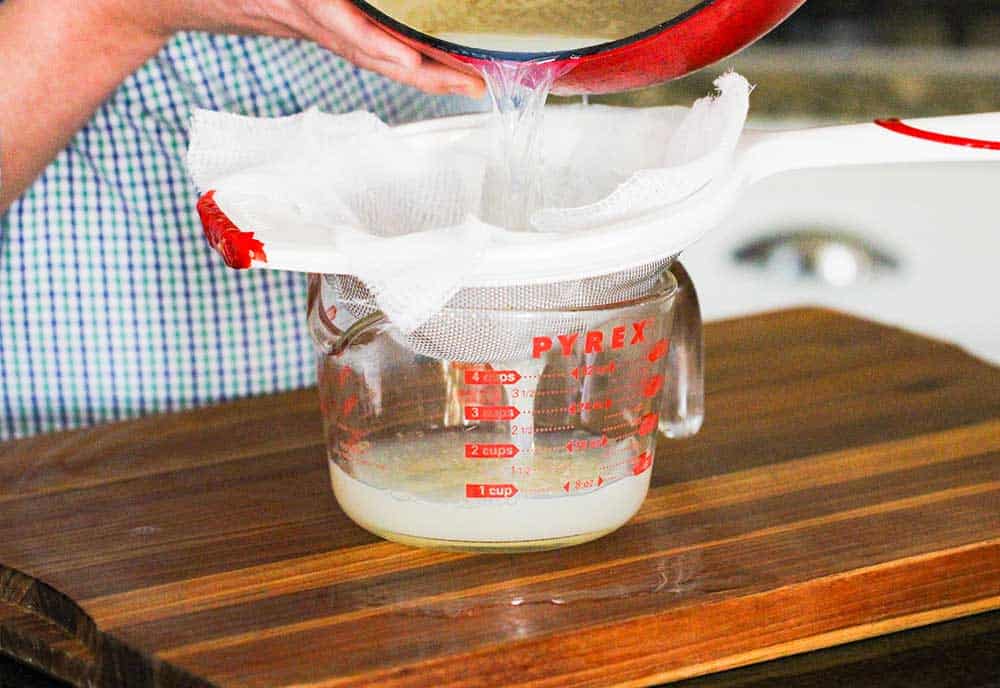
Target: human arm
[(60, 59)]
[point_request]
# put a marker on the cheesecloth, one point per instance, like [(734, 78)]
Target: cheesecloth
[(401, 220)]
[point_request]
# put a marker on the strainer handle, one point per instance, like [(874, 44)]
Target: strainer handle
[(684, 397), (956, 138)]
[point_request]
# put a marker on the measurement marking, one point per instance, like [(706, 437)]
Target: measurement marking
[(642, 462), (586, 443), (491, 413), (593, 370), (653, 387), (491, 377), (560, 428), (561, 409), (600, 405), (587, 484), (490, 490), (490, 451), (659, 350), (648, 424)]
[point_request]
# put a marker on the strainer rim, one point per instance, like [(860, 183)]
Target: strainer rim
[(666, 288)]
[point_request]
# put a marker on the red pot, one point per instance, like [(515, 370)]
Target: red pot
[(706, 33)]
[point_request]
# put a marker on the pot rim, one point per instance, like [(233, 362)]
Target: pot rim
[(543, 56)]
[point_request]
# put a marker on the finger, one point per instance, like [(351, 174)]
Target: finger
[(430, 76), (345, 30)]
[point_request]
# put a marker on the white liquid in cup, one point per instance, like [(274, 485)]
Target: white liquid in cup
[(519, 519), (418, 487)]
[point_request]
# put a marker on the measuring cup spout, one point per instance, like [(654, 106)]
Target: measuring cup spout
[(329, 338), (684, 393)]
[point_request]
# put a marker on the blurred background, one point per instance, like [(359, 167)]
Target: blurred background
[(956, 23), (910, 245), (856, 59)]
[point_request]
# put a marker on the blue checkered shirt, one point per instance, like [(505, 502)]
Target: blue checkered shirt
[(112, 305)]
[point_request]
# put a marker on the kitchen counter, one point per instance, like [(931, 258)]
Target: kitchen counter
[(951, 654), (845, 485)]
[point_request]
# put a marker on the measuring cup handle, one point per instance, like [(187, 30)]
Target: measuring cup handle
[(325, 334), (330, 339), (684, 397)]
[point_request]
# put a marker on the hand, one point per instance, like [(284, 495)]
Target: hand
[(60, 59), (337, 25)]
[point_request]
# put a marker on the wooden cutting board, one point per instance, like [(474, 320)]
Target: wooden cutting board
[(846, 484)]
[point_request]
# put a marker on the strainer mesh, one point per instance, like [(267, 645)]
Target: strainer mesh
[(486, 324)]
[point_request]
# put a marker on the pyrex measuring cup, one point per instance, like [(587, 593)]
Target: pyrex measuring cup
[(551, 447)]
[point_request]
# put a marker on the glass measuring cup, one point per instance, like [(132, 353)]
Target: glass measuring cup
[(550, 448)]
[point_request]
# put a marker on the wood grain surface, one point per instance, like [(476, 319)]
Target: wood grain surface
[(846, 484)]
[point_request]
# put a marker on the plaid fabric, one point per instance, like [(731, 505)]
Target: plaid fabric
[(112, 305)]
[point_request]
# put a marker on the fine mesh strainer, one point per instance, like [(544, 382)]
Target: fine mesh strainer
[(482, 324), (321, 193), (410, 222)]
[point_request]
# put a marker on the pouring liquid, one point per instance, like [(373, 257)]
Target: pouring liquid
[(513, 188)]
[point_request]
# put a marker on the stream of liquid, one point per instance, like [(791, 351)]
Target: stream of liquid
[(514, 185), (513, 189)]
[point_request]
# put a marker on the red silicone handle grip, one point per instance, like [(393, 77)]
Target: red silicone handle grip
[(903, 128)]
